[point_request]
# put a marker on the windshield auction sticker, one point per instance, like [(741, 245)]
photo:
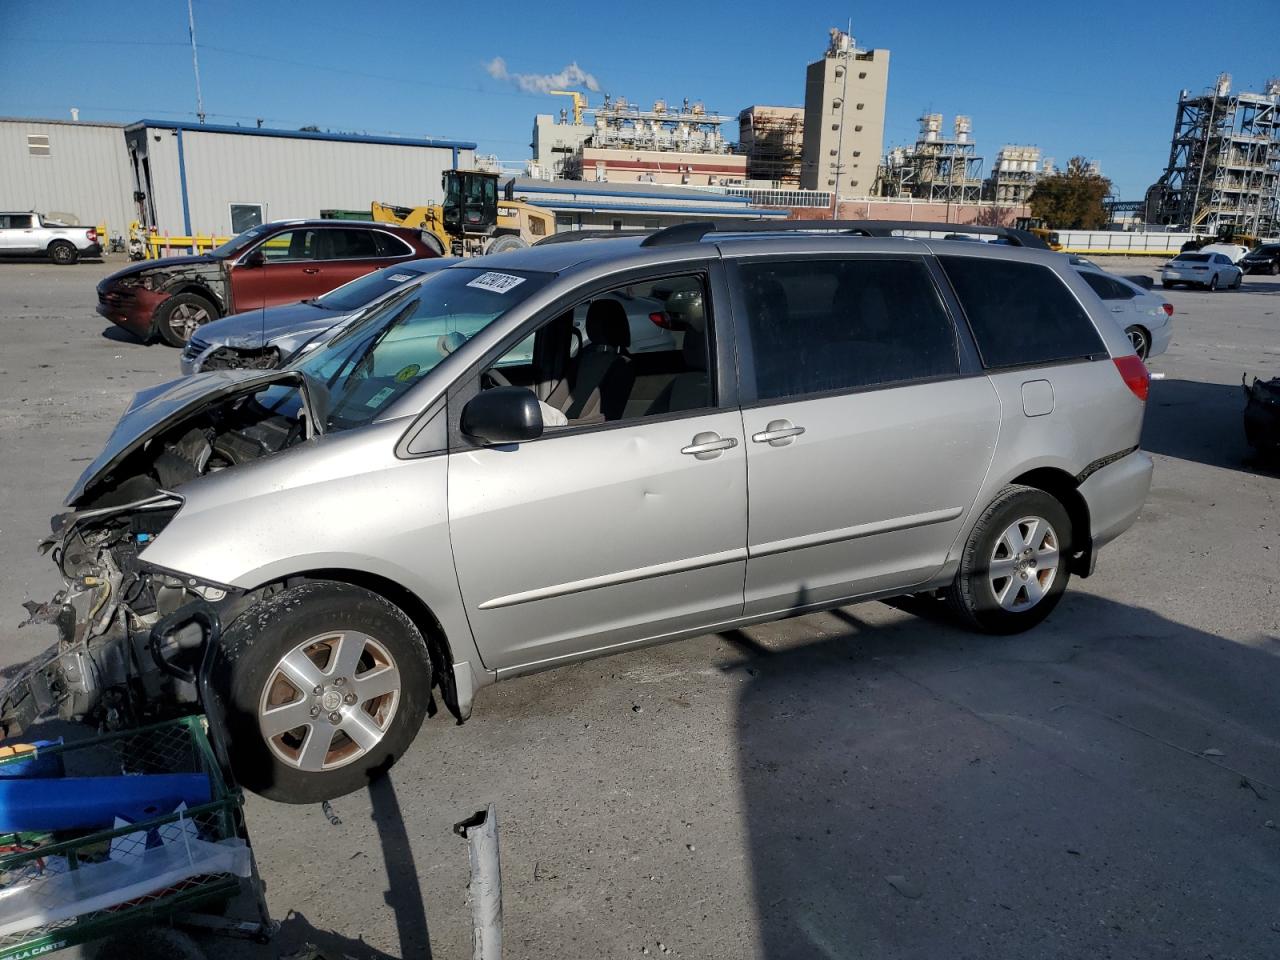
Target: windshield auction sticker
[(400, 277), (497, 282)]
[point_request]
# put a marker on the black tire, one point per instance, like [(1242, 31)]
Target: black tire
[(504, 244), (1166, 284), (1141, 341), (180, 315), (1213, 282), (150, 943), (973, 595), (247, 678), (1239, 280), (1275, 268), (63, 253)]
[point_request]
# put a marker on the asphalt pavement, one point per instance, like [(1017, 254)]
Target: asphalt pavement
[(870, 782)]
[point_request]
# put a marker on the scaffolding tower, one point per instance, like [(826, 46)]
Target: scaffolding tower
[(773, 141), (1224, 163), (936, 167)]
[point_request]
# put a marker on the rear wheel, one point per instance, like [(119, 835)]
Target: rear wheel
[(1014, 567), (1141, 341), (180, 316), (1166, 284), (63, 253), (326, 685), (1213, 282)]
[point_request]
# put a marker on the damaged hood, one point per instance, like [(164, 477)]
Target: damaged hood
[(258, 328), (155, 409), (158, 266)]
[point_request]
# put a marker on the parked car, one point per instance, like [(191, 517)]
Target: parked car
[(268, 338), (1145, 317), (1263, 259), (839, 418), (1232, 251), (30, 234), (272, 264), (1208, 270)]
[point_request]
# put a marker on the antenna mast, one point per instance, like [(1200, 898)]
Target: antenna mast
[(195, 60)]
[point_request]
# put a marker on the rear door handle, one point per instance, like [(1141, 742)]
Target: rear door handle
[(310, 269), (708, 445), (1117, 309), (778, 433)]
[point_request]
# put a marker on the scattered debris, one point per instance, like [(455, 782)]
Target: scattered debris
[(327, 809), (1074, 853), (636, 708), (1212, 752), (1246, 785), (1270, 824), (690, 847), (904, 887)]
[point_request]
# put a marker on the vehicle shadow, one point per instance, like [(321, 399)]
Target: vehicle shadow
[(1097, 787), (1203, 422), (121, 335)]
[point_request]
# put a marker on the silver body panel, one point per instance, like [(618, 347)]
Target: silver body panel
[(534, 554)]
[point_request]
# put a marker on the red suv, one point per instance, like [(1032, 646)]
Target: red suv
[(271, 264)]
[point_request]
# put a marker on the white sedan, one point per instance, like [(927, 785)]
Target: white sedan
[(1146, 317), (1208, 270)]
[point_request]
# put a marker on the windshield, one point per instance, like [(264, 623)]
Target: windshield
[(236, 244), (377, 359), (371, 286)]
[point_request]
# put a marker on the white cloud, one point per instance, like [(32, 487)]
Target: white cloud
[(571, 76)]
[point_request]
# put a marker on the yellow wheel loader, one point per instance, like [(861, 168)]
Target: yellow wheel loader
[(472, 220)]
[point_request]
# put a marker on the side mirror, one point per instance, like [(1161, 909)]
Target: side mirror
[(503, 415), (255, 259)]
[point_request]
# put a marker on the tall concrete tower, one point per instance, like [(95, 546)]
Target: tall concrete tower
[(844, 98)]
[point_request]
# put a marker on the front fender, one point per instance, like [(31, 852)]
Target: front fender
[(340, 502)]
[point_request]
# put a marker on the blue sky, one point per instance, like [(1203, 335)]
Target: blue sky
[(1092, 78)]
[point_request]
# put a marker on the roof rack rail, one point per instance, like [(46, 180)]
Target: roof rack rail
[(693, 231), (568, 236)]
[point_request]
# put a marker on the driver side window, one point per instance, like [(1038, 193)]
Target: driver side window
[(635, 351)]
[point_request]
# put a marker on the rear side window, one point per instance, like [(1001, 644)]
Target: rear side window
[(389, 246), (1021, 313), (824, 325), (1106, 287)]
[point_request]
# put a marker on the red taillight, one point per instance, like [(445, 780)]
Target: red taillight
[(660, 319), (1167, 308), (1136, 376), (91, 235)]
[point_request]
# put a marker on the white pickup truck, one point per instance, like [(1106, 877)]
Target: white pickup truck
[(30, 234)]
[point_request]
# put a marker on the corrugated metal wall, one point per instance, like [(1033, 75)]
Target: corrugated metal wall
[(86, 172), (291, 178)]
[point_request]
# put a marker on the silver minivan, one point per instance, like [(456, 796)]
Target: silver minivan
[(461, 487)]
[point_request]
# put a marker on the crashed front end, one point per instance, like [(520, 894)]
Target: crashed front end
[(110, 666)]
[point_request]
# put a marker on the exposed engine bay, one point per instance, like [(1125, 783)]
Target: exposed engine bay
[(106, 668)]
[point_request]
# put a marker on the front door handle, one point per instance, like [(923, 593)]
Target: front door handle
[(310, 269), (708, 445), (778, 433), (1117, 309)]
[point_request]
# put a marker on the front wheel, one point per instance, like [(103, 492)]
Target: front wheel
[(1013, 570), (63, 253), (1275, 269), (504, 244), (325, 685), (1166, 284), (1239, 279), (181, 315), (1141, 341)]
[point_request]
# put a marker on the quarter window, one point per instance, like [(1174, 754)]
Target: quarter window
[(1107, 288), (824, 325), (1021, 313), (389, 246)]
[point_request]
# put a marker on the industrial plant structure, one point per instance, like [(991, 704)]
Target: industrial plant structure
[(936, 168), (844, 100), (1014, 175), (1224, 163), (626, 143), (772, 138)]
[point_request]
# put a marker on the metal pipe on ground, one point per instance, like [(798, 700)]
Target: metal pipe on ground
[(485, 888)]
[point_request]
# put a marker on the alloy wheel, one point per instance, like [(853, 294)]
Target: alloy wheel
[(329, 701), (1141, 345), (185, 318), (1024, 563)]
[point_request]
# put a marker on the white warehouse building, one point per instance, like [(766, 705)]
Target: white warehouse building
[(205, 179), (186, 178)]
